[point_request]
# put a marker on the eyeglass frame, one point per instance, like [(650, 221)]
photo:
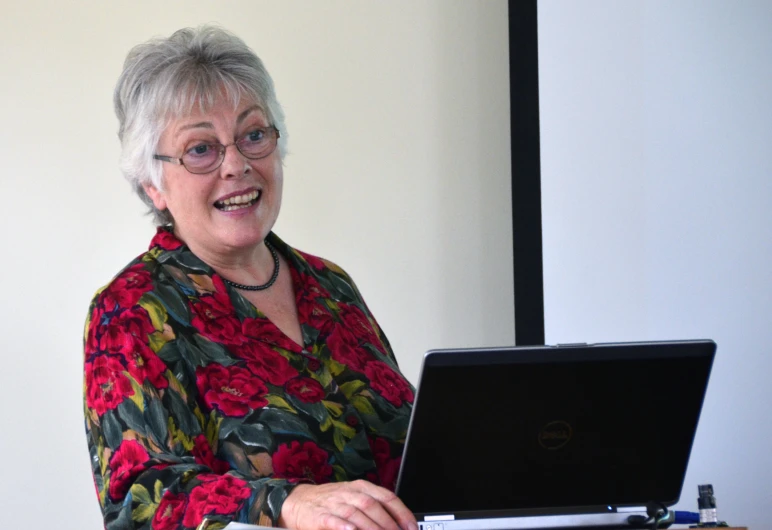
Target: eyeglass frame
[(221, 153)]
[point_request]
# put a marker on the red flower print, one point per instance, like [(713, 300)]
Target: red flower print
[(92, 340), (316, 263), (221, 494), (356, 322), (345, 349), (312, 288), (311, 310), (125, 465), (380, 447), (388, 383), (126, 334), (308, 461), (203, 454), (215, 318), (232, 390), (266, 363), (144, 364), (314, 314), (388, 468), (126, 290), (165, 240), (168, 515), (389, 472), (305, 389), (124, 330), (106, 384), (221, 301), (263, 330)]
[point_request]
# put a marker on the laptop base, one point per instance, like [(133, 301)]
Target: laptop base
[(604, 521)]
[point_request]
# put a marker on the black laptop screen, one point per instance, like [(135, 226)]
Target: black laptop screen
[(612, 429)]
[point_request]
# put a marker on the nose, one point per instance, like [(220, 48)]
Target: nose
[(234, 164)]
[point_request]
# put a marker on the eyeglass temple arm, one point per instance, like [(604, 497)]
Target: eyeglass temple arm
[(177, 161)]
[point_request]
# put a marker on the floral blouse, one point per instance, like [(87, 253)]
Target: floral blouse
[(200, 410)]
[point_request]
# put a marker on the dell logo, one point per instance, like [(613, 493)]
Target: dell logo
[(555, 434)]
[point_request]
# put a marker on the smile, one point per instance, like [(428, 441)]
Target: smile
[(238, 202)]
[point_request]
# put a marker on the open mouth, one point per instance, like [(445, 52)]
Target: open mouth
[(238, 202)]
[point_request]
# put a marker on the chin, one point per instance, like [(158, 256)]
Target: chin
[(245, 237)]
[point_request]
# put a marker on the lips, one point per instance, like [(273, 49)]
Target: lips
[(238, 202)]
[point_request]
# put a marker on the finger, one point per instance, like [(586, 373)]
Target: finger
[(330, 521), (391, 503), (360, 519), (374, 510), (401, 513)]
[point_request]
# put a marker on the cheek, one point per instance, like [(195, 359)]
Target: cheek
[(271, 173), (278, 175), (278, 188), (186, 195)]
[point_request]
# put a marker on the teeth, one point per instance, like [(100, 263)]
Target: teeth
[(239, 201)]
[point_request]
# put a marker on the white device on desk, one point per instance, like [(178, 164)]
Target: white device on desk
[(552, 436)]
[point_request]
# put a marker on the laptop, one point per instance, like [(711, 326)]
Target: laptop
[(576, 435)]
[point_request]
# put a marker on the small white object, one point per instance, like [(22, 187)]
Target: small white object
[(450, 517)]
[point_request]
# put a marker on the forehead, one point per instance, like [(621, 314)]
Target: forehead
[(221, 106), (222, 115)]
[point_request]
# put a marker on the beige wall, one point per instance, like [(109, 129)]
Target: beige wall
[(398, 169)]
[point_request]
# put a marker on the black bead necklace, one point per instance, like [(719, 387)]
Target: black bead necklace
[(267, 284)]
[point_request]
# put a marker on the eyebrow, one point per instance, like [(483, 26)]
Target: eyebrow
[(208, 125), (246, 113)]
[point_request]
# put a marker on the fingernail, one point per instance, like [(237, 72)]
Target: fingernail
[(412, 526), (352, 527)]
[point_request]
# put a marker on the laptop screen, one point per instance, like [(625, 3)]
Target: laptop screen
[(548, 428)]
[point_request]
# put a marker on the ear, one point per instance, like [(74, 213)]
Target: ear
[(156, 195)]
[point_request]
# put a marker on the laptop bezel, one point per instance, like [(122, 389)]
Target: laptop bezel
[(705, 348)]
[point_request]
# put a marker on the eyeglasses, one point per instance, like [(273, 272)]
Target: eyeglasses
[(204, 158)]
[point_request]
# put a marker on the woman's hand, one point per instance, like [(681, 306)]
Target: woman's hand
[(358, 505)]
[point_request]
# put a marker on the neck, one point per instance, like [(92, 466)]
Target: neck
[(251, 265)]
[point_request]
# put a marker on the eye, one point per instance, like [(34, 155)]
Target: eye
[(255, 136), (257, 143), (201, 150)]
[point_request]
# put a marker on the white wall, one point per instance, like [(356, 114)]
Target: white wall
[(399, 170), (657, 206)]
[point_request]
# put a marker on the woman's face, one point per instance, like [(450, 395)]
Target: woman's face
[(209, 227)]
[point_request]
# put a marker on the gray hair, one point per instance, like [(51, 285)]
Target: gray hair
[(164, 78)]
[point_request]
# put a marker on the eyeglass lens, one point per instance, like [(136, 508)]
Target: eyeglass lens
[(203, 158)]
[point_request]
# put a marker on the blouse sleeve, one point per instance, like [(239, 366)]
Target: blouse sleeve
[(152, 449)]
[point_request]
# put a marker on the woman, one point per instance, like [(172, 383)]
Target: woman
[(228, 376)]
